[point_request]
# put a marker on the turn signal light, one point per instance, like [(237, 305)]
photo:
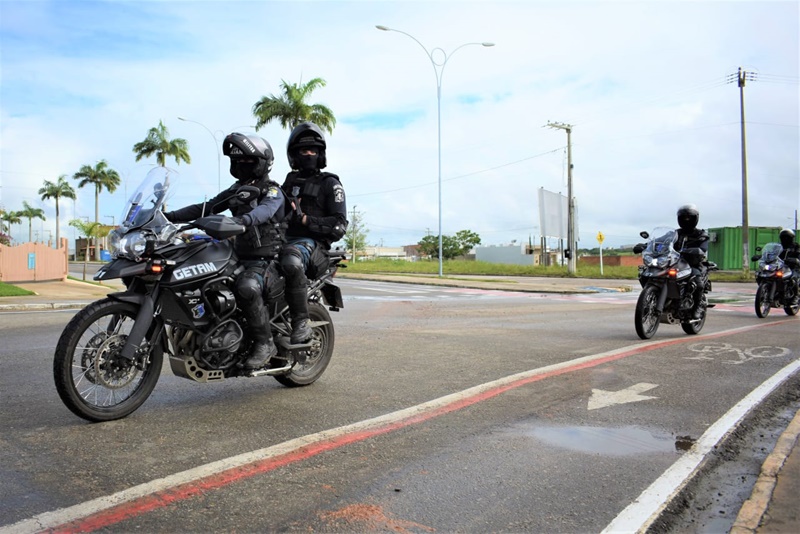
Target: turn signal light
[(673, 272)]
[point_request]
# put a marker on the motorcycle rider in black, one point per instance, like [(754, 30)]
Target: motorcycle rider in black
[(692, 237), (251, 160), (790, 254), (319, 218)]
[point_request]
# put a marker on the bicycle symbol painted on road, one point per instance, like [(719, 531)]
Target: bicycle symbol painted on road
[(744, 355)]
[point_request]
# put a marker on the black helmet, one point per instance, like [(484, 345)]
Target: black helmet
[(251, 156), (306, 134), (787, 238), (688, 217)]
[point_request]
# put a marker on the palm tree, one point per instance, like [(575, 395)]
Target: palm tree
[(290, 108), (90, 230), (100, 176), (10, 217), (57, 190), (158, 142), (30, 213)]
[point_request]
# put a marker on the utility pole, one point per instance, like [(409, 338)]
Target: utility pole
[(354, 234), (741, 77), (572, 248)]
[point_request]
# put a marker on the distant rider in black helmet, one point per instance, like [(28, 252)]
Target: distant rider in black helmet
[(251, 160), (791, 256), (791, 250), (319, 218), (690, 236)]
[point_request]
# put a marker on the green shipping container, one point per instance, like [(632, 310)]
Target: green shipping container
[(725, 248)]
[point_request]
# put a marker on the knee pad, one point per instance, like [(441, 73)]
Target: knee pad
[(248, 287), (292, 264)]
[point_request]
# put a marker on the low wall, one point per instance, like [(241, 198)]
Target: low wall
[(34, 262), (613, 261)]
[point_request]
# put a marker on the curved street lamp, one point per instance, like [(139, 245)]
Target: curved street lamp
[(216, 149), (438, 70)]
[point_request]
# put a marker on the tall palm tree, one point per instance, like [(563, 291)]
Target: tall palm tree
[(100, 176), (10, 217), (31, 213), (57, 190), (291, 108), (158, 142)]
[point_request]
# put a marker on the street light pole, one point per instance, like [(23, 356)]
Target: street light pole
[(438, 70), (216, 149)]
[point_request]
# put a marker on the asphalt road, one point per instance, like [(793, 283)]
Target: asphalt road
[(444, 409)]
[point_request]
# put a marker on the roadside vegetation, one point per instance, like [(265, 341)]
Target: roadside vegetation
[(468, 267), (10, 290)]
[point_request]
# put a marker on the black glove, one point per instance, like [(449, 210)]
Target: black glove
[(169, 215), (298, 214), (244, 221)]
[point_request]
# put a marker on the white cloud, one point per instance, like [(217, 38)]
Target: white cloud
[(655, 124)]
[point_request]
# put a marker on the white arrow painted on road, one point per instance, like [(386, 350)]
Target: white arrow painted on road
[(601, 398)]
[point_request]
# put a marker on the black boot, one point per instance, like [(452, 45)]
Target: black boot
[(261, 353), (301, 332)]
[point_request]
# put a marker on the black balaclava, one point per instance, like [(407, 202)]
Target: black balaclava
[(307, 164), (247, 171)]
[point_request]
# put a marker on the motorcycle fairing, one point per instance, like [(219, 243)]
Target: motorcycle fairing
[(201, 264), (120, 268)]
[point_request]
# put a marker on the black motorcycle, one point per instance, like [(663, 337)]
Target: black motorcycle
[(777, 282), (666, 277), (179, 301)]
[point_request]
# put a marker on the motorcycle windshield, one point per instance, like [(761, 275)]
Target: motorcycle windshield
[(662, 242), (148, 198), (770, 252)]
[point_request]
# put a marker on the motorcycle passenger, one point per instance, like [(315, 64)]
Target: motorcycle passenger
[(251, 160), (692, 237), (319, 219)]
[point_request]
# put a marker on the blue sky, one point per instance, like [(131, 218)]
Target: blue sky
[(644, 84)]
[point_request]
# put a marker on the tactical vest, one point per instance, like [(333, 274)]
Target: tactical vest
[(264, 240), (309, 189)]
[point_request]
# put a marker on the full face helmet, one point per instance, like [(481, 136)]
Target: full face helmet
[(251, 156), (306, 135), (688, 217), (786, 237)]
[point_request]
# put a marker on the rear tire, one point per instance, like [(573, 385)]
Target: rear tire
[(647, 317), (92, 378), (303, 374), (762, 303), (691, 327)]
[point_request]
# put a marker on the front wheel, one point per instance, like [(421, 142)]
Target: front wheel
[(762, 303), (647, 316), (92, 378), (317, 360)]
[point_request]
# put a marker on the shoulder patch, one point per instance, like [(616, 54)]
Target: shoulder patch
[(272, 192)]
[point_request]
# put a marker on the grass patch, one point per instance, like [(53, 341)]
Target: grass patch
[(9, 290), (453, 268)]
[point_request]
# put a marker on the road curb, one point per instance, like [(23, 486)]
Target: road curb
[(754, 508)]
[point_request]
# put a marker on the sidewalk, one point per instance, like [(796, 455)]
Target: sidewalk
[(773, 505)]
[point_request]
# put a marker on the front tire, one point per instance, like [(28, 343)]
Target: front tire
[(762, 303), (647, 317), (303, 374), (92, 378)]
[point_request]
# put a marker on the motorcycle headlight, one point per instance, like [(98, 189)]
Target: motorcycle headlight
[(656, 261), (113, 242), (132, 245)]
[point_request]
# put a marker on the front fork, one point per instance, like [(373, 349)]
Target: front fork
[(144, 319)]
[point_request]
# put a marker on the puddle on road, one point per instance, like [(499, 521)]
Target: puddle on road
[(610, 441)]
